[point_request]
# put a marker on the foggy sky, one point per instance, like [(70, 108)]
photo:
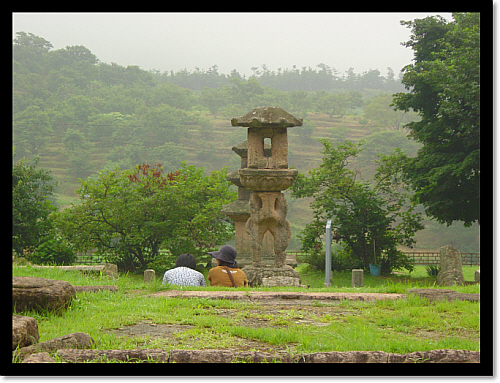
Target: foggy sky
[(174, 41)]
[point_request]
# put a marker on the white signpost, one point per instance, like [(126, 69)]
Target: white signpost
[(328, 255)]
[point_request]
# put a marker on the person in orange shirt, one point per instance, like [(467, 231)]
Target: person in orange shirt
[(226, 273)]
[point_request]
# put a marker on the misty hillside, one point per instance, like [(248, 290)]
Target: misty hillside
[(80, 116)]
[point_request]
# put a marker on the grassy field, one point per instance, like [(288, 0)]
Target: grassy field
[(400, 326)]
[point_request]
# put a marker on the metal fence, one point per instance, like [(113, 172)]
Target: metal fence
[(419, 258), (88, 258), (468, 259)]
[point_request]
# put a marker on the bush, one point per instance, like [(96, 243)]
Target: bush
[(54, 251), (341, 261), (162, 263), (432, 270)]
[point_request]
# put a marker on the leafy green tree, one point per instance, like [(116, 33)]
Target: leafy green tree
[(331, 104), (172, 95), (443, 84), (31, 208), (30, 51), (155, 126), (32, 129), (243, 91), (74, 139), (300, 102), (380, 111), (100, 127), (383, 142), (371, 220), (131, 214), (215, 98)]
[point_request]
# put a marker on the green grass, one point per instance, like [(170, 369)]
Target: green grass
[(402, 326)]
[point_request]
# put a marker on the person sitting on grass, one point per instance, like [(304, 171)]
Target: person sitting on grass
[(184, 273), (227, 272)]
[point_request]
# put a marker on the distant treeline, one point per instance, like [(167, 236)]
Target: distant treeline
[(305, 79), (68, 99)]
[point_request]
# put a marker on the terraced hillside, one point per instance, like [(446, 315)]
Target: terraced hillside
[(212, 150)]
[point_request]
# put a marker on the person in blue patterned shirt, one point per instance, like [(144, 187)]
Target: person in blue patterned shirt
[(184, 273)]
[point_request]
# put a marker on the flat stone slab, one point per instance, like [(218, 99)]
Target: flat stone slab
[(284, 295), (82, 289), (222, 356), (75, 340)]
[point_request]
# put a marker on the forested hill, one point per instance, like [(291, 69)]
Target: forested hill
[(80, 115)]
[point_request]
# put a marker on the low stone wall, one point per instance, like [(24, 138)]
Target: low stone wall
[(158, 355)]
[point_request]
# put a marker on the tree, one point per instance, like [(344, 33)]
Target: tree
[(372, 220), (380, 111), (332, 104), (31, 207), (130, 214), (30, 50), (444, 90), (32, 129), (214, 98)]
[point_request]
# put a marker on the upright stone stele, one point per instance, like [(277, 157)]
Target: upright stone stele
[(450, 262), (357, 278), (267, 174)]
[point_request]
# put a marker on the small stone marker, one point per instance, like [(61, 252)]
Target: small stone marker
[(149, 275), (357, 277), (476, 276)]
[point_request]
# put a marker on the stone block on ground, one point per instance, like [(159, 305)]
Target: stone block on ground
[(256, 275), (40, 294), (41, 357), (476, 276), (24, 331), (78, 340), (280, 281), (83, 289)]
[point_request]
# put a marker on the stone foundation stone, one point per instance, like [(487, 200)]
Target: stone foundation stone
[(272, 276)]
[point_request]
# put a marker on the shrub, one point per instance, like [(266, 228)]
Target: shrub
[(432, 270), (53, 251), (341, 261)]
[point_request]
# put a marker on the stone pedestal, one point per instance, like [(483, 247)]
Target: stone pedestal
[(272, 276)]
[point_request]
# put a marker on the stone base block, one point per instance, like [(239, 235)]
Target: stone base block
[(272, 276), (280, 281)]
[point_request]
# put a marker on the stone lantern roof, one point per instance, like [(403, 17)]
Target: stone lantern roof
[(268, 116)]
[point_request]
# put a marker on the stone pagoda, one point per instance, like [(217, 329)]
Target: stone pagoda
[(267, 175), (239, 212)]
